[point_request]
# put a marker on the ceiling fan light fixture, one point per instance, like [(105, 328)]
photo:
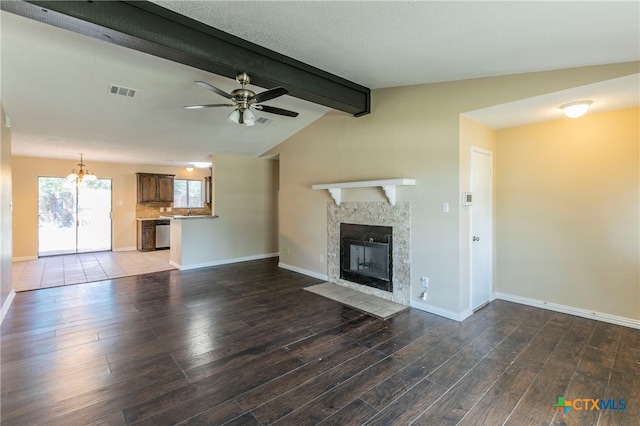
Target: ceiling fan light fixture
[(249, 118), (576, 109), (234, 117)]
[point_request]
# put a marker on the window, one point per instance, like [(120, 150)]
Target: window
[(187, 193)]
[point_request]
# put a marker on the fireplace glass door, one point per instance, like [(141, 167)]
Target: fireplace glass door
[(368, 258), (366, 255)]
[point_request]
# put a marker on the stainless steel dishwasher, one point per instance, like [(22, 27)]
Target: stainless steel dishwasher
[(162, 233)]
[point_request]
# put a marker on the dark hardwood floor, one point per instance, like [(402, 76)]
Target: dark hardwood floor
[(243, 344)]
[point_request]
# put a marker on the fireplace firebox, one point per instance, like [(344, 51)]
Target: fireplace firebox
[(366, 254)]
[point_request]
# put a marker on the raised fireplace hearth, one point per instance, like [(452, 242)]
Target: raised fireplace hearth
[(366, 255)]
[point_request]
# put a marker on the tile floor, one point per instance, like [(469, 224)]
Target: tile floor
[(370, 304), (55, 271)]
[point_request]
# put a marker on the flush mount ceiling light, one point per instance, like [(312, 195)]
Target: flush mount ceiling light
[(576, 109), (202, 165), (81, 174)]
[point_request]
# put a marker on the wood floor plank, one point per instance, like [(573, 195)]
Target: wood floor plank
[(301, 395), (344, 393), (400, 382), (623, 389), (245, 344), (356, 413), (207, 393), (500, 400), (409, 406), (460, 398), (218, 415)]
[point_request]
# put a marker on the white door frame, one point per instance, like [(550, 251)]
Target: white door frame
[(473, 150)]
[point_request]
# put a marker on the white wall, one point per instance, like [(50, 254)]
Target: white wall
[(5, 214)]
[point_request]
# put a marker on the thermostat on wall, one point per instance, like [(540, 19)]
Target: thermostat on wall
[(467, 199)]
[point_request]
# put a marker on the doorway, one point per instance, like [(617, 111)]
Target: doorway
[(481, 269), (73, 217)]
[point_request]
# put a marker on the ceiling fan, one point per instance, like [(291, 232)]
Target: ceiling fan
[(244, 99)]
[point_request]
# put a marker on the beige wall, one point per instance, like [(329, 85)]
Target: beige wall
[(5, 210), (26, 171), (568, 212), (246, 203), (412, 132)]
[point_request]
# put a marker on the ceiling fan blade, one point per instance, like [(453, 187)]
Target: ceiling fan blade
[(276, 110), (214, 89), (207, 106), (270, 94)]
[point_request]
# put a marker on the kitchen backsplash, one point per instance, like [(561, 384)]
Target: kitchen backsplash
[(146, 210)]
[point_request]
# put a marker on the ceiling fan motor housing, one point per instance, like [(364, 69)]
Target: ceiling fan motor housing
[(243, 78)]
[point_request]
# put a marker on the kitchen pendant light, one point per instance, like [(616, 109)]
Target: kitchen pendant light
[(81, 174)]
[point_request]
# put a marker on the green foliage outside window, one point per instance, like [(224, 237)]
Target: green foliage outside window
[(187, 193)]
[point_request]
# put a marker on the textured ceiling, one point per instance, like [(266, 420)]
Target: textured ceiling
[(397, 43), (54, 83)]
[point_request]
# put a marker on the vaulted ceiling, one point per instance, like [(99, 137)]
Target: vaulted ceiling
[(55, 82)]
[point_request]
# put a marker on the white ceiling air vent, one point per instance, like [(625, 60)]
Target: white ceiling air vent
[(262, 120), (123, 91)]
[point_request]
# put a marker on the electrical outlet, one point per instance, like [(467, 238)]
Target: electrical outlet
[(425, 282), (161, 209), (321, 259), (168, 209), (286, 251)]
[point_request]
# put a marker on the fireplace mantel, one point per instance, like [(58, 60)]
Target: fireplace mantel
[(387, 185)]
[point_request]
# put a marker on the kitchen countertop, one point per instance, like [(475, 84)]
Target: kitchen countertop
[(150, 218), (193, 216)]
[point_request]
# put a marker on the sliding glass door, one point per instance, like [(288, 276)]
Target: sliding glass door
[(73, 217)]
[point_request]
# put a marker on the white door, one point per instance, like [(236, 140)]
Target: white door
[(481, 227)]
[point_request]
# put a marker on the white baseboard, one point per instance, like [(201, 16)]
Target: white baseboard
[(456, 316), (24, 258), (222, 262), (599, 316), (7, 305), (303, 271), (124, 249)]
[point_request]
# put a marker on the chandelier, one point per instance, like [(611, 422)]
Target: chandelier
[(81, 174)]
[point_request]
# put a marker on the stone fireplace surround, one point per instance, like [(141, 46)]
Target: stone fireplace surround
[(379, 214)]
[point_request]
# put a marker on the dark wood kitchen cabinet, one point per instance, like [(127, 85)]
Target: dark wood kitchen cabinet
[(155, 188), (146, 235)]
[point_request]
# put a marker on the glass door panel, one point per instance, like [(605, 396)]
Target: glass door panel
[(94, 216), (72, 217), (56, 216)]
